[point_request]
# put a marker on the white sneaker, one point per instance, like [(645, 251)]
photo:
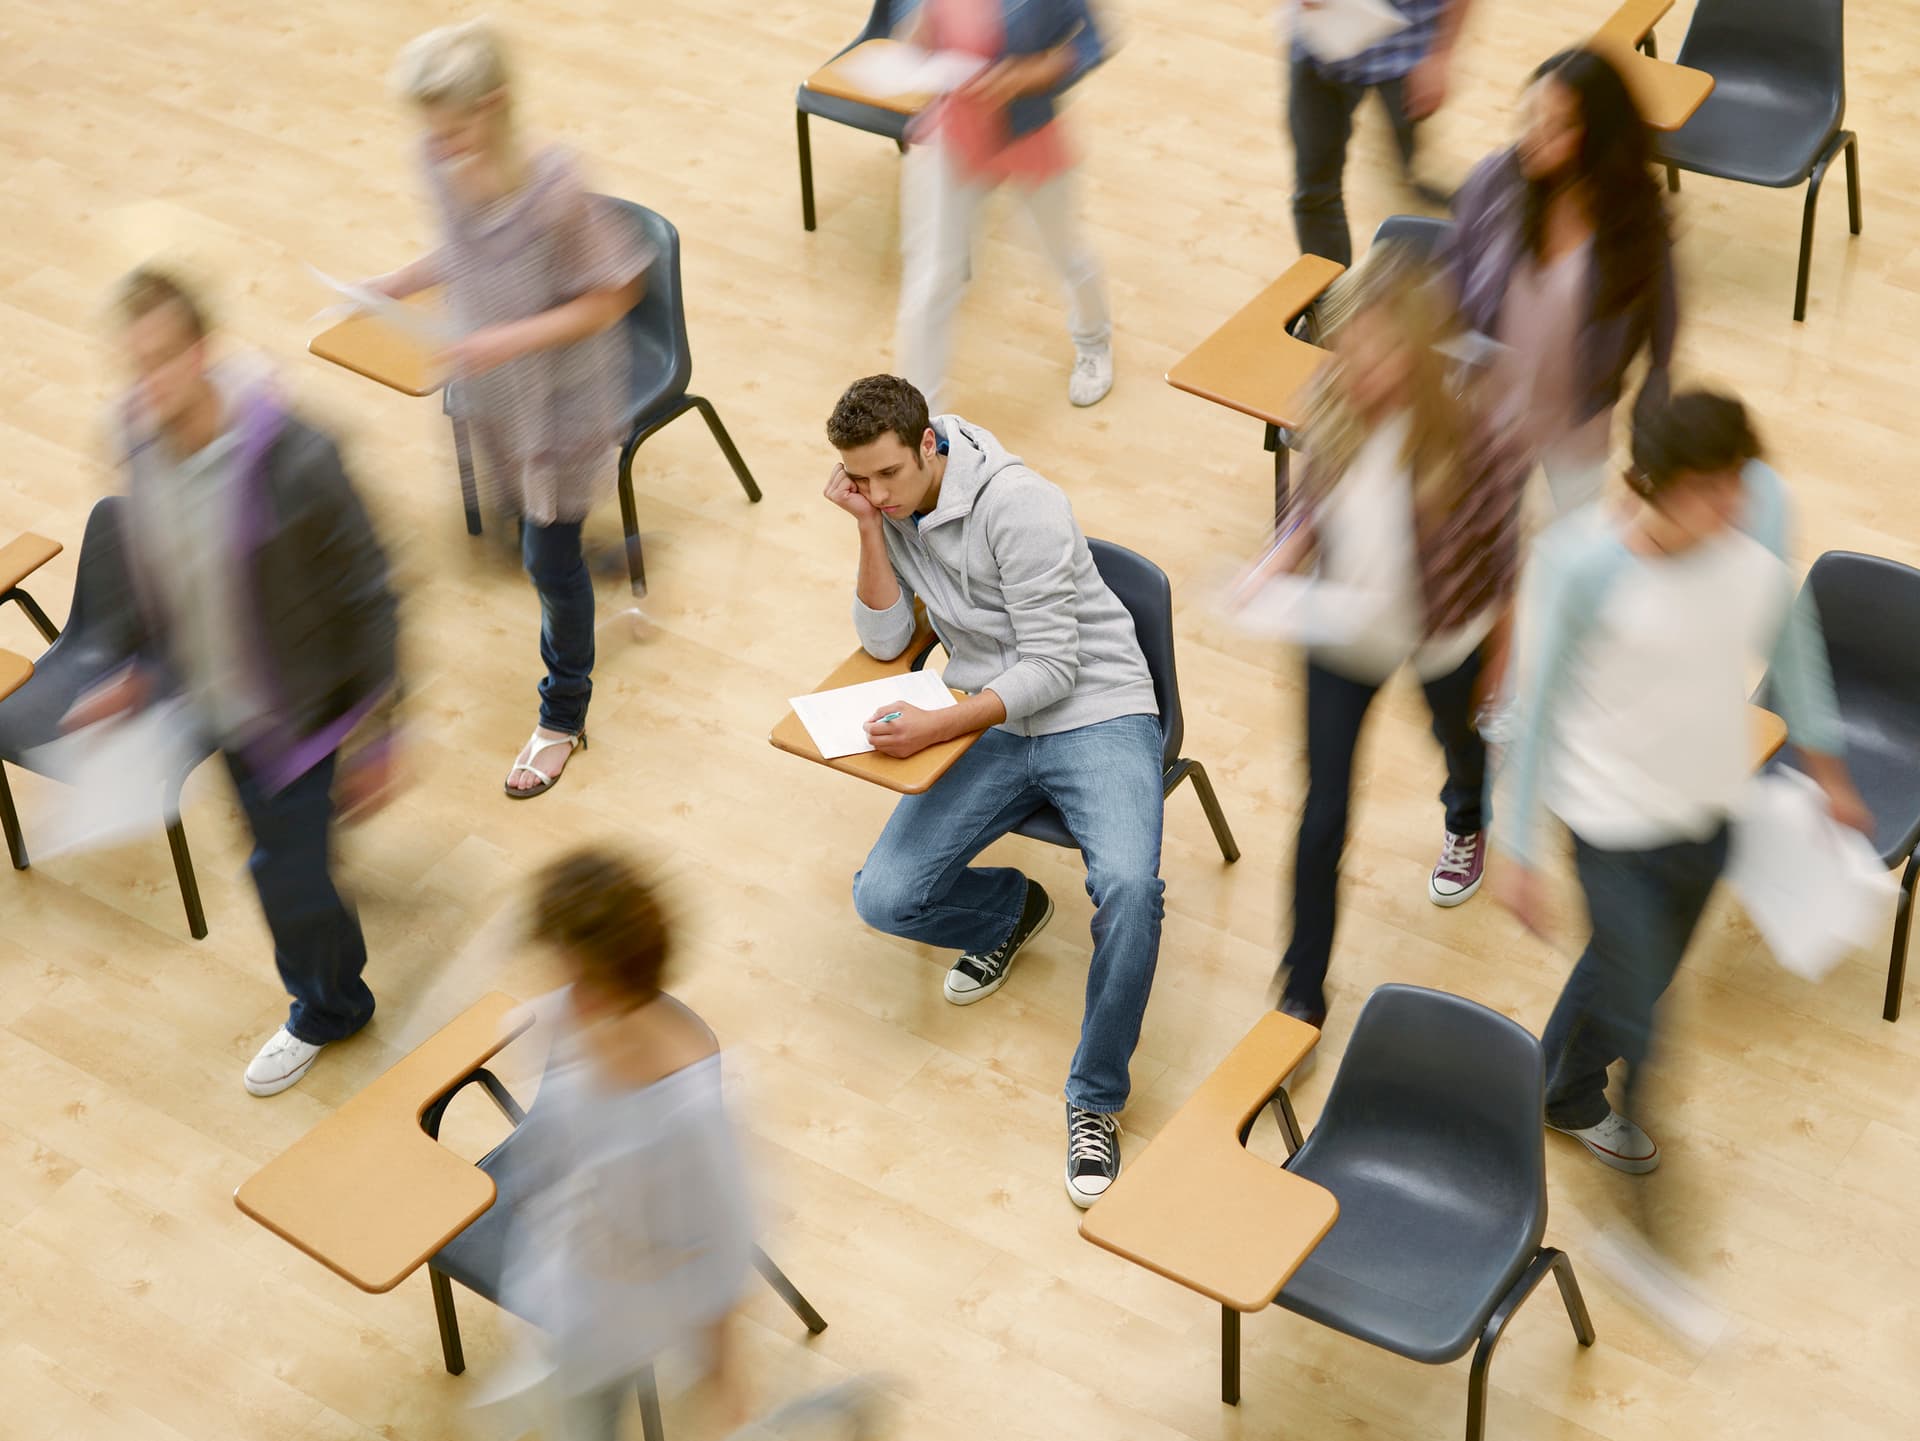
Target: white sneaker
[(1092, 374), (282, 1061), (1618, 1142)]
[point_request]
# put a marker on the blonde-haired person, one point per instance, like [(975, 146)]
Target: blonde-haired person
[(1409, 499), (538, 274)]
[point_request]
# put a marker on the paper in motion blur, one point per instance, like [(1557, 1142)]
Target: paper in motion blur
[(1335, 30), (889, 71), (121, 775), (1304, 610)]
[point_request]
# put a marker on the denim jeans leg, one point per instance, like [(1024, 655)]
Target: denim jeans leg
[(1336, 709), (1105, 780), (558, 569), (317, 942), (917, 882), (1320, 117), (1451, 701)]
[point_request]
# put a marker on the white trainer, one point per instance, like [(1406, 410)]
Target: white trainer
[(282, 1061), (1092, 374), (1618, 1142)]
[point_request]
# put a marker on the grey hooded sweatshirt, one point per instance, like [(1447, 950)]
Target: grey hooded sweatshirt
[(1013, 594)]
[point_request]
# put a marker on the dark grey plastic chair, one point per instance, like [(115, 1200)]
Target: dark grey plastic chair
[(97, 639), (873, 119), (1144, 590), (1778, 103), (1870, 611), (1433, 1140), (476, 1257)]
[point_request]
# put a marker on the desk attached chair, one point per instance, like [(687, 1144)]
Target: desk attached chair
[(97, 638), (832, 102)]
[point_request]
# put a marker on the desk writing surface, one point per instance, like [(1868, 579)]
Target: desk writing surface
[(1631, 22), (370, 346), (1665, 94), (832, 79), (1196, 1207), (23, 555), (367, 1193), (15, 671), (1250, 364), (1769, 733), (910, 776)]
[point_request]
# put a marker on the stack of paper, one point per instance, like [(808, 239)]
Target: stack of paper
[(836, 719), (1335, 30)]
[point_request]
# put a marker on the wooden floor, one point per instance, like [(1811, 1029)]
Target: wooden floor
[(910, 1151)]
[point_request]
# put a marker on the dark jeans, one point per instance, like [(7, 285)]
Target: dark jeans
[(1320, 115), (1644, 907), (317, 942), (552, 556), (1336, 708)]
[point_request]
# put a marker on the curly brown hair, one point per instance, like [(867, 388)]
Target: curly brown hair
[(597, 908), (873, 406)]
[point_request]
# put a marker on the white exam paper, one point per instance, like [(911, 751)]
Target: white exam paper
[(120, 772), (1816, 889), (1305, 610), (1336, 30), (891, 70), (835, 719), (421, 325)]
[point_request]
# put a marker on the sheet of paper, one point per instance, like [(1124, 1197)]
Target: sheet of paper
[(1816, 889), (1336, 30), (425, 326), (118, 774), (835, 718), (1305, 610), (891, 70)]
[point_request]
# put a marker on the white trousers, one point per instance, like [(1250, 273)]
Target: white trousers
[(939, 210)]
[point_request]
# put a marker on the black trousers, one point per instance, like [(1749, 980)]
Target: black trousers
[(1336, 710), (1320, 117)]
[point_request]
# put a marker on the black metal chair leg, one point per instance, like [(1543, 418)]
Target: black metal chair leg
[(1210, 803), (450, 1350), (1649, 47), (1853, 182), (806, 169), (1281, 484), (1902, 922), (183, 868), (630, 518), (651, 1427), (1673, 178), (10, 823), (1288, 1123), (1229, 1356), (1548, 1260), (1806, 225), (740, 471), (1570, 1294), (788, 1292), (463, 458), (49, 632)]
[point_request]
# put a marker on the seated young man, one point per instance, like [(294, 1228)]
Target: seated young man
[(1054, 674)]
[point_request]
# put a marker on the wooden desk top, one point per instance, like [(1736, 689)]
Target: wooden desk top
[(1769, 734), (1631, 22), (831, 79), (1251, 364), (1197, 1208), (22, 556), (911, 776), (1666, 94), (15, 671), (369, 346), (367, 1193)]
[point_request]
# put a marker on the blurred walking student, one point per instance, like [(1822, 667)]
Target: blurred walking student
[(1409, 502), (1639, 629), (260, 594), (1001, 127), (538, 274), (1411, 69), (1559, 250)]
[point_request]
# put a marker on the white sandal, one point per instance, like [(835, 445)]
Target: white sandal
[(535, 747)]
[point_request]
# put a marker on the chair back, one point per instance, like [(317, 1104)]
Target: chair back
[(1423, 234), (1440, 1094), (1144, 590), (661, 359), (879, 22), (1869, 610), (1796, 45)]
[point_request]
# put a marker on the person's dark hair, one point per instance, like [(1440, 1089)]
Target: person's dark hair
[(147, 289), (873, 406), (1615, 161), (595, 906), (1693, 432)]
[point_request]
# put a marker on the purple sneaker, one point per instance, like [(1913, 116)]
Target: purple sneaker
[(1462, 863)]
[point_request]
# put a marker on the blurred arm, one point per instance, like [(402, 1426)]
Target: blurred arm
[(410, 279)]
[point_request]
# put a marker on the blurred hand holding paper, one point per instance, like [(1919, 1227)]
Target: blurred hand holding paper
[(887, 71), (428, 328), (1305, 610), (1815, 888), (836, 719), (121, 773), (1335, 30)]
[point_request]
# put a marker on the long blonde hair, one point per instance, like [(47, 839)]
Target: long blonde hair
[(1405, 289)]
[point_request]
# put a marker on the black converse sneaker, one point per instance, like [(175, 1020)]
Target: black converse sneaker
[(975, 977), (1093, 1155)]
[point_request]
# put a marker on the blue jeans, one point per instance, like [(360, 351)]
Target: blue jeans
[(552, 556), (317, 942), (1104, 779), (1644, 905)]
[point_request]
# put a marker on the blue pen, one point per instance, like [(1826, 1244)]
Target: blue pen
[(892, 715)]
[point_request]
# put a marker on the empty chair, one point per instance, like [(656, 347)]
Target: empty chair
[(99, 635), (1870, 610), (1777, 108), (1433, 1142), (874, 119)]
